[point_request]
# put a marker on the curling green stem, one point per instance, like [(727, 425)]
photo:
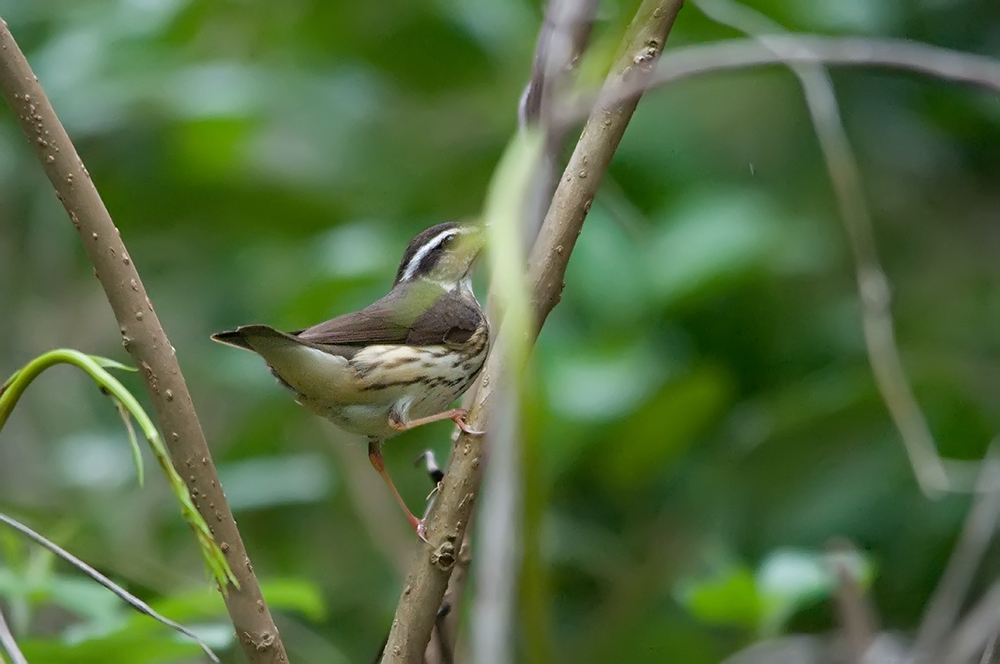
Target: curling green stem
[(11, 391)]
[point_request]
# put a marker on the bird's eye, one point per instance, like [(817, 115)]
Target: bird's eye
[(448, 241)]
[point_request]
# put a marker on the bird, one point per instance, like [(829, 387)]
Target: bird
[(400, 362)]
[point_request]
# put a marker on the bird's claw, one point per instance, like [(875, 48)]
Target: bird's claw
[(464, 426)]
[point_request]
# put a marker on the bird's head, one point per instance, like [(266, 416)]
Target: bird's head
[(442, 254)]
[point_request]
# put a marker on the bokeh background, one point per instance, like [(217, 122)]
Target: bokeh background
[(705, 420)]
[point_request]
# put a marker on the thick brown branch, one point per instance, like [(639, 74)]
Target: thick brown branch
[(425, 584), (590, 159), (143, 337)]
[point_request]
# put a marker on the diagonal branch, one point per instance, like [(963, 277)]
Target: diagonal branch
[(8, 644), (873, 285), (806, 54), (118, 591), (425, 584), (143, 337)]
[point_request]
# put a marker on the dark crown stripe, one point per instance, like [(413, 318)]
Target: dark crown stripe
[(427, 256), (414, 250)]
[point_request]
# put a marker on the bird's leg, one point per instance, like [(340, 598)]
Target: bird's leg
[(375, 456), (458, 415)]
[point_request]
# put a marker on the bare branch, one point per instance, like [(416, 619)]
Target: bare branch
[(979, 529), (8, 644), (688, 61), (978, 630), (118, 591), (857, 620), (562, 40), (144, 339), (842, 167), (590, 159), (425, 585)]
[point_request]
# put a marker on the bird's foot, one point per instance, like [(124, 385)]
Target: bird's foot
[(420, 529), (458, 416)]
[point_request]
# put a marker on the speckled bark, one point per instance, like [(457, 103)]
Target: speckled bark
[(428, 577), (144, 339)]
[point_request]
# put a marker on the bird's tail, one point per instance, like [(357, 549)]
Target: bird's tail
[(247, 336)]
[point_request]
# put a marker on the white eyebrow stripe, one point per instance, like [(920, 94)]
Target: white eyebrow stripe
[(414, 263)]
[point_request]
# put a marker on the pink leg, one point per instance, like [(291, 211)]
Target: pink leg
[(375, 456), (456, 414)]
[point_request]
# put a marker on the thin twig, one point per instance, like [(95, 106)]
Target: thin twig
[(857, 619), (688, 61), (934, 473), (446, 652), (455, 593), (842, 167), (144, 339), (120, 592), (427, 580), (9, 644), (562, 40), (978, 629), (980, 526)]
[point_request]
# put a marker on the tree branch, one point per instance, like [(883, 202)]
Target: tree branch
[(8, 644), (873, 284), (144, 339), (590, 159), (978, 531), (428, 577), (688, 61)]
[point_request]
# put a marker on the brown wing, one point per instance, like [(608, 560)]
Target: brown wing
[(375, 324), (416, 314), (450, 320)]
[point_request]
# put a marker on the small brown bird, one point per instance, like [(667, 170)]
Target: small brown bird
[(399, 362)]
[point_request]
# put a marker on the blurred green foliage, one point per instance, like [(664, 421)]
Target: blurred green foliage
[(705, 407)]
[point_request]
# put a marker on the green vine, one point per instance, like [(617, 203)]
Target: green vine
[(129, 408)]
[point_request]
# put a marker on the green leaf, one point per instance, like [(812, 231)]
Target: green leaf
[(128, 405), (791, 579), (124, 647), (725, 597)]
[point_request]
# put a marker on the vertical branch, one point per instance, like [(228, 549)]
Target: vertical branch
[(144, 339), (873, 285), (857, 619), (562, 40), (425, 584)]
